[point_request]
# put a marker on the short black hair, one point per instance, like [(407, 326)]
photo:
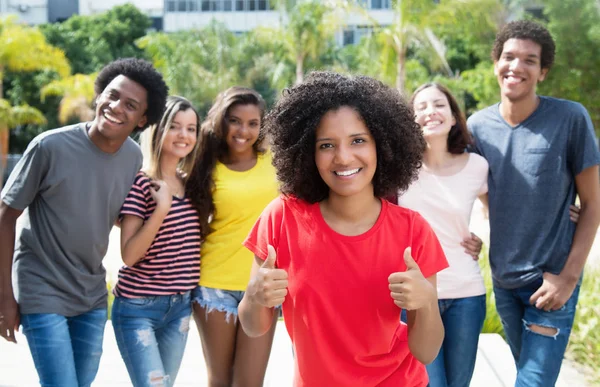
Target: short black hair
[(293, 121), (526, 30), (143, 72)]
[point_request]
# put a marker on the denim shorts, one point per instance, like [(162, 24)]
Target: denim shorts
[(218, 300)]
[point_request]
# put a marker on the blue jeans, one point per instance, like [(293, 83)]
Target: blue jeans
[(66, 350), (151, 333), (538, 357), (463, 319)]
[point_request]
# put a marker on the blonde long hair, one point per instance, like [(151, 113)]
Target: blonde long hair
[(152, 140)]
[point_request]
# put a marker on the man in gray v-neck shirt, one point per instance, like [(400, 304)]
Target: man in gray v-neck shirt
[(68, 189), (542, 153)]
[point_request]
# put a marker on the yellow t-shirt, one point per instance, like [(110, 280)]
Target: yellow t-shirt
[(239, 198)]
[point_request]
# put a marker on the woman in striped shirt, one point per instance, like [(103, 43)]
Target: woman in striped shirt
[(160, 246)]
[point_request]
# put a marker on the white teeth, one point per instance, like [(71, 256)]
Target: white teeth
[(111, 118), (433, 123), (240, 140), (347, 173), (179, 144)]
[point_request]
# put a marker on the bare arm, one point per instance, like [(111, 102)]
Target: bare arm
[(425, 329), (588, 189), (267, 288), (557, 289), (9, 310), (137, 235), (484, 199)]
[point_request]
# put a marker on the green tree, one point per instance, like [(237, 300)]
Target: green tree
[(77, 92), (22, 49), (413, 28), (576, 71), (307, 34), (90, 42)]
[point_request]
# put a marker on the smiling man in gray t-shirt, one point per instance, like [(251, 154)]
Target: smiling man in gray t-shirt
[(542, 154), (69, 187)]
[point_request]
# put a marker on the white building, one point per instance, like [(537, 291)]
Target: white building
[(175, 15), (245, 15)]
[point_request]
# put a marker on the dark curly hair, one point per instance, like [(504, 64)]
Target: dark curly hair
[(293, 122), (459, 137), (213, 148), (526, 30), (142, 72)]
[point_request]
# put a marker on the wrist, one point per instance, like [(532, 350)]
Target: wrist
[(570, 277)]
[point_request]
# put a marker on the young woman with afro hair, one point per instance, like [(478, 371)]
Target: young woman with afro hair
[(341, 260)]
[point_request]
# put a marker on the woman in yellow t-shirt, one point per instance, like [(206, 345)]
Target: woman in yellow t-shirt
[(232, 182)]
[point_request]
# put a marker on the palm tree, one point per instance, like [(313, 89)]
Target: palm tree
[(77, 92), (307, 28), (414, 22), (23, 48)]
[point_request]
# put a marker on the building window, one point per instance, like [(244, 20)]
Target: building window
[(218, 5), (192, 6), (348, 37), (353, 34), (380, 4)]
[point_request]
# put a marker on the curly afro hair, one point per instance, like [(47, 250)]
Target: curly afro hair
[(293, 121), (142, 72), (526, 30)]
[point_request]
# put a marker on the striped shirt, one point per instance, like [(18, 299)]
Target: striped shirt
[(172, 263)]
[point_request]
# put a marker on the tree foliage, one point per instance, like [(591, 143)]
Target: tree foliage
[(91, 42), (576, 71)]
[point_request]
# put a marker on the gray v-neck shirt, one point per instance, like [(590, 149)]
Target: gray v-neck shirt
[(72, 193), (531, 185)]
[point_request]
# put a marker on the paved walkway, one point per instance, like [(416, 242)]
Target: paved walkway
[(494, 366)]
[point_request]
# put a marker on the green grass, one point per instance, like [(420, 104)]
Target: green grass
[(584, 344)]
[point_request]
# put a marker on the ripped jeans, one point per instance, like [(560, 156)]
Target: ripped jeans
[(538, 357), (151, 333)]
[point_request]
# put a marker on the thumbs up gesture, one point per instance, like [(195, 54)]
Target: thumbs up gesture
[(269, 285), (409, 289)]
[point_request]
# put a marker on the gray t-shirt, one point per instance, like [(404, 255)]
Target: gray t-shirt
[(71, 192), (531, 185)]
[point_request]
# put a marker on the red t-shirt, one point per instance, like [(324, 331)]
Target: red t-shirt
[(342, 321)]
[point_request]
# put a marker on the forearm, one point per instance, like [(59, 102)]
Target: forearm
[(426, 332), (136, 247), (7, 246), (255, 318), (587, 226)]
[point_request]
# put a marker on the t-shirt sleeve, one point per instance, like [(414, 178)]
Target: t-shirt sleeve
[(582, 148), (426, 249), (138, 199), (266, 230), (473, 147), (27, 178)]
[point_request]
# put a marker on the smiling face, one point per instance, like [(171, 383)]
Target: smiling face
[(433, 112), (519, 70), (243, 128), (345, 153), (180, 139), (120, 109)]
